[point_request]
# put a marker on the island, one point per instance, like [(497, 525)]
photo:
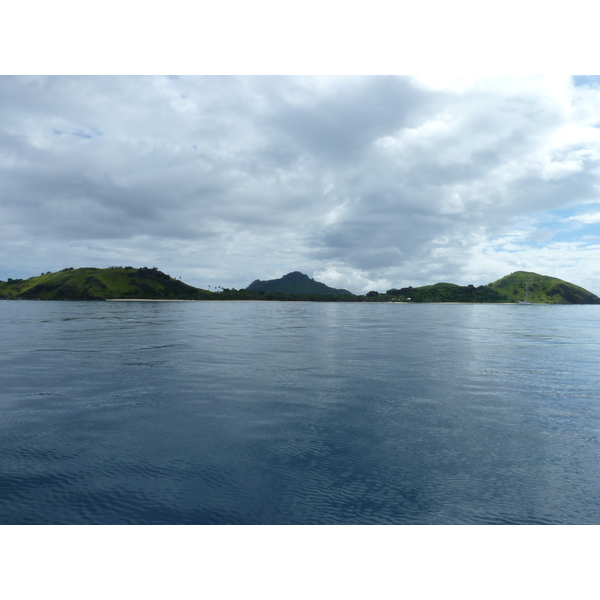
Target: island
[(296, 283), (131, 283)]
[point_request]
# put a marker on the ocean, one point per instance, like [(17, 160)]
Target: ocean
[(298, 413)]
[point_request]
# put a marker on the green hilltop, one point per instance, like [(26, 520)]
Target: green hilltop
[(102, 284), (541, 288)]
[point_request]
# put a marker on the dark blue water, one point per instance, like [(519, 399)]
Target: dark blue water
[(298, 413)]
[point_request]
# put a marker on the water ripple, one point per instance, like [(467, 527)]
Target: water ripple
[(298, 413)]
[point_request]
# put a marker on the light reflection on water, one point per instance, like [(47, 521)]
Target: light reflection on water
[(298, 413)]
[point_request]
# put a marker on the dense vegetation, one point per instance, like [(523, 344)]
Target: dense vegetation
[(447, 292), (296, 283), (131, 283), (101, 284), (511, 288)]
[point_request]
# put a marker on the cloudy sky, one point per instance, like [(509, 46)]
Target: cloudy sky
[(360, 182)]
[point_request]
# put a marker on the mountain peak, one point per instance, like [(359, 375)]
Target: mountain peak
[(295, 283)]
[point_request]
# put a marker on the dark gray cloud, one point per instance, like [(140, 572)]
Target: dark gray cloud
[(363, 181), (338, 124)]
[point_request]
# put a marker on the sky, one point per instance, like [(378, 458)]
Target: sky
[(362, 182)]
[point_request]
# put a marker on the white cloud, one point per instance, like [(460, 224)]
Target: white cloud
[(356, 279), (585, 218)]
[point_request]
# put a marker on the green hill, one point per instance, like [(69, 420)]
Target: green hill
[(102, 284), (541, 288), (295, 283), (511, 288)]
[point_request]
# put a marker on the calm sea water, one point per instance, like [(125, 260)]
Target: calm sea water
[(298, 413)]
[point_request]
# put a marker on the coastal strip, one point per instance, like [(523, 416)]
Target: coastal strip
[(148, 300)]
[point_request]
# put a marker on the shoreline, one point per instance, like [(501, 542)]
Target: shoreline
[(333, 302)]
